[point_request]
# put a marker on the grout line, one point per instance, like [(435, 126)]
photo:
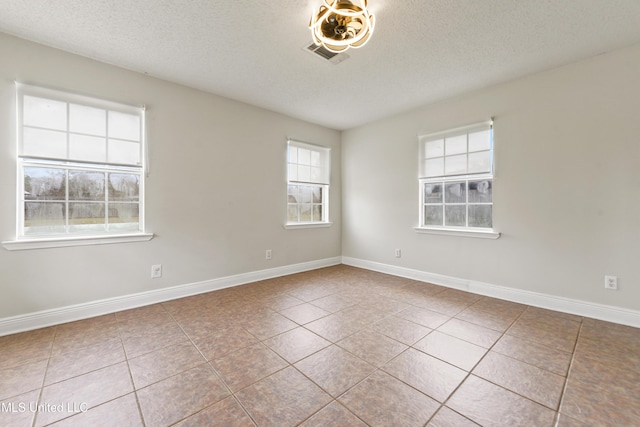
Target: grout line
[(566, 381)]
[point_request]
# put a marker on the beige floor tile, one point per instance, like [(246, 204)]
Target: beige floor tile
[(158, 365), (226, 413), (566, 421), (620, 379), (475, 334), (496, 321), (450, 349), (549, 316), (87, 359), (25, 347), (433, 377), (121, 412), (608, 354), (597, 405), (372, 347), (441, 305), (400, 330), (547, 358), (225, 341), (527, 380), (145, 341), (248, 365), (334, 327), (382, 400), (459, 296), (21, 379), (75, 336), (561, 337), (334, 303), (304, 313), (19, 411), (498, 306), (334, 415), (282, 302), (175, 398), (392, 351), (270, 325), (296, 344), (449, 418), (283, 399), (490, 405), (611, 334), (88, 390), (334, 369), (421, 316)]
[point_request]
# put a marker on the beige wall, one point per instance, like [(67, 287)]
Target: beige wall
[(567, 198), (566, 193), (215, 197)]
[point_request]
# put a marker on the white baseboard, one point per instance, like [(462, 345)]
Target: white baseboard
[(566, 305), (56, 316)]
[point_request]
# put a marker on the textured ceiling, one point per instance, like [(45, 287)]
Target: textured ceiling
[(422, 51)]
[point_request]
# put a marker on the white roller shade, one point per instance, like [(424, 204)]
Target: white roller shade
[(308, 163), (55, 125), (462, 151)]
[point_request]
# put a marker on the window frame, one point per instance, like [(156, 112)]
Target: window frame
[(32, 158), (322, 182), (464, 176)]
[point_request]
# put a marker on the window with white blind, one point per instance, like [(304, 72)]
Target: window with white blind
[(456, 180), (80, 166), (308, 184)]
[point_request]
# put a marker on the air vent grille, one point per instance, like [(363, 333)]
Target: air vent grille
[(321, 51), (326, 54)]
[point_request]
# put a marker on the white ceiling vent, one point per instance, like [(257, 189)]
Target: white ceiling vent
[(325, 54)]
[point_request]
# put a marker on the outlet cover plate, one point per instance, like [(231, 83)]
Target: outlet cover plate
[(156, 271)]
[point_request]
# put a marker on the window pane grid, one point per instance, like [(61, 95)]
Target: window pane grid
[(308, 183), (456, 178), (80, 163), (306, 203), (463, 203), (65, 200)]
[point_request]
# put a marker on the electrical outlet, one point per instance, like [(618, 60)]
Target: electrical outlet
[(398, 253), (611, 282), (156, 271), (267, 254)]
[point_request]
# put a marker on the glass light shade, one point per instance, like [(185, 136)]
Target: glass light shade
[(341, 24)]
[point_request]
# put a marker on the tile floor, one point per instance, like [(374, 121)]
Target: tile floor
[(338, 346)]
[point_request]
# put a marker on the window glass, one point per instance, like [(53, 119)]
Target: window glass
[(308, 183), (80, 161), (456, 178)]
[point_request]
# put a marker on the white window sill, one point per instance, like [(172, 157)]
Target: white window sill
[(296, 225), (60, 242), (481, 234)]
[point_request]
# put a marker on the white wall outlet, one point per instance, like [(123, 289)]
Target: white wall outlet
[(156, 271), (398, 253), (611, 282), (267, 254)]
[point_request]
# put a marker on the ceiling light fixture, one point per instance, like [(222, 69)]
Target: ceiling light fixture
[(341, 24)]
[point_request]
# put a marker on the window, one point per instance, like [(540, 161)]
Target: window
[(308, 184), (456, 180), (80, 166)]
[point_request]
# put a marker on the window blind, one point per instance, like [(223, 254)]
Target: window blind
[(55, 125), (308, 163), (462, 151)]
